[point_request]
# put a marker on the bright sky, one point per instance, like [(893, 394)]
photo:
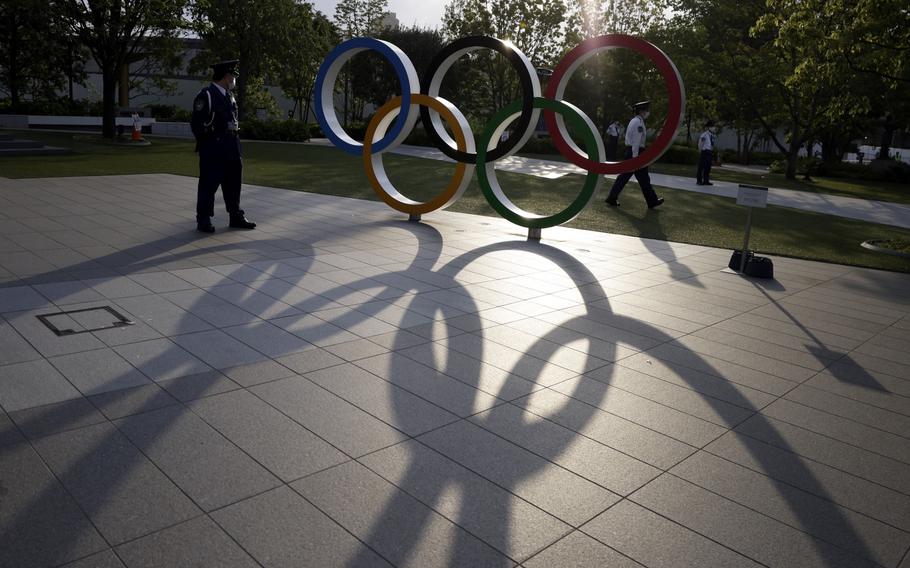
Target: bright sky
[(424, 13)]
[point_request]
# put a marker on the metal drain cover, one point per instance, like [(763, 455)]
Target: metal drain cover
[(85, 320)]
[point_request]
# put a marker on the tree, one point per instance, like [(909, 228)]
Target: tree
[(36, 52), (606, 86), (253, 31), (115, 33), (484, 82), (310, 37), (358, 18), (874, 40)]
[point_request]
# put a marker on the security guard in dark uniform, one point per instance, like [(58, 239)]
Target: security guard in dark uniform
[(636, 135), (215, 127)]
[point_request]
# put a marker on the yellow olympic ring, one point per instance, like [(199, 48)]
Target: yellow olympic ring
[(372, 162)]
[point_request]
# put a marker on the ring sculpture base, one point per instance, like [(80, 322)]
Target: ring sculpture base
[(414, 217), (534, 233)]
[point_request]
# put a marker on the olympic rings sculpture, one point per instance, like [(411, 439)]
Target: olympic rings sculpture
[(385, 133)]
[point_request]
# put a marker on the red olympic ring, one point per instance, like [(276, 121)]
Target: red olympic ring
[(564, 71)]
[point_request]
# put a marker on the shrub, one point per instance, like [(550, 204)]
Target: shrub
[(680, 154), (170, 113), (60, 106), (281, 130), (896, 171)]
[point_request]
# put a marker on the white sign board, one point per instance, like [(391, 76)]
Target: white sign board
[(752, 196)]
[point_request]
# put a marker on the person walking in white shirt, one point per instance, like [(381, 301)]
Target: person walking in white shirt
[(636, 135), (706, 144), (612, 140)]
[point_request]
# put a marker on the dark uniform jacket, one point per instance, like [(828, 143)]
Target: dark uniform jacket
[(214, 124)]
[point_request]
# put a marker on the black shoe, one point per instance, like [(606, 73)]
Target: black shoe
[(612, 202), (241, 223), (656, 204), (707, 183), (699, 183), (205, 228)]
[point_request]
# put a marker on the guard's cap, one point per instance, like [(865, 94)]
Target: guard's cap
[(219, 70), (709, 124), (643, 105)]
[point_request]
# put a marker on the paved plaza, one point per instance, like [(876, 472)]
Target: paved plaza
[(342, 387)]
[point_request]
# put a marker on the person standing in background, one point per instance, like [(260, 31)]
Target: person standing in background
[(706, 143), (612, 140)]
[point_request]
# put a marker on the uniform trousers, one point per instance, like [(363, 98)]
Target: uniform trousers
[(704, 166), (641, 176), (215, 170)]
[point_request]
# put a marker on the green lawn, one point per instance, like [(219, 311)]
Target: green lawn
[(686, 217)]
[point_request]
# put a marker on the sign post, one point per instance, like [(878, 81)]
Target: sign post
[(751, 196)]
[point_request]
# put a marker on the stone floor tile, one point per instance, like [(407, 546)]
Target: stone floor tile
[(191, 387), (211, 470), (658, 542), (504, 521), (105, 559), (749, 376), (816, 515), (511, 360), (668, 394), (161, 359), (843, 430), (608, 429), (756, 536), (392, 522), (160, 282), (268, 339), (35, 383), (19, 298), (310, 360), (864, 385), (330, 417), (594, 461), (281, 445), (120, 490), (578, 550), (46, 341), (848, 488), (40, 524), (9, 434), (851, 409), (13, 347), (391, 404), (135, 400), (218, 349), (120, 287), (357, 350), (442, 390), (98, 371), (471, 371), (315, 330), (256, 373), (58, 417), (63, 293), (684, 427), (711, 385), (198, 542), (282, 530), (554, 489)]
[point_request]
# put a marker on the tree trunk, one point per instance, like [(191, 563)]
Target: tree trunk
[(887, 134), (109, 100), (13, 70), (123, 98), (792, 160)]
